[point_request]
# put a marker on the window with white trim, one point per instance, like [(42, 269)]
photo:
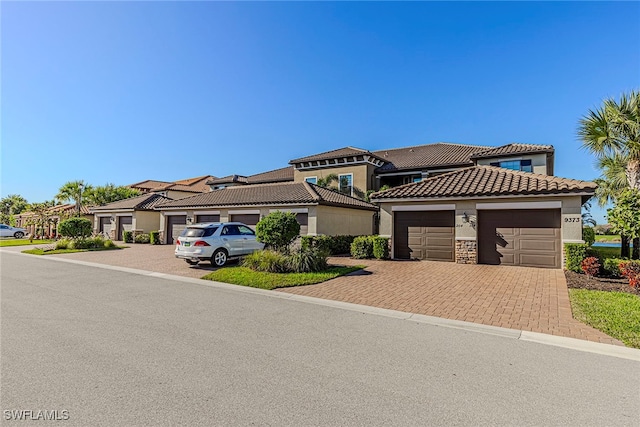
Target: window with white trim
[(312, 179), (345, 183)]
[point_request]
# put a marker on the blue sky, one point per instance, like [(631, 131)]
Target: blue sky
[(126, 91)]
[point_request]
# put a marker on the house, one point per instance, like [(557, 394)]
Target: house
[(485, 214), (136, 214), (52, 218), (318, 210), (176, 189)]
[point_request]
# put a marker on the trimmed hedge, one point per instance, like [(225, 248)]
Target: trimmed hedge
[(142, 238), (370, 247), (575, 253), (75, 228), (127, 236), (588, 235), (334, 245), (154, 237)]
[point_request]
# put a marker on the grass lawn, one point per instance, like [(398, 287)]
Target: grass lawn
[(257, 279), (608, 238), (22, 242), (617, 314), (66, 251), (607, 252)]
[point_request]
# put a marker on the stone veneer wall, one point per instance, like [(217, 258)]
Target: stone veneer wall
[(466, 252)]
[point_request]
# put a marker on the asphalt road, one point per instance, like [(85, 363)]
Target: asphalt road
[(115, 348)]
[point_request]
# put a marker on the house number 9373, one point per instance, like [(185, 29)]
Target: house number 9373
[(572, 220)]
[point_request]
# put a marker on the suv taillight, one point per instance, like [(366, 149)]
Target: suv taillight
[(201, 243), (178, 242)]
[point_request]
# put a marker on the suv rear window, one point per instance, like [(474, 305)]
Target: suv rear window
[(198, 232)]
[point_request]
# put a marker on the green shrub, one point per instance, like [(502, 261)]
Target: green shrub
[(142, 238), (307, 261), (588, 235), (362, 247), (62, 244), (75, 228), (154, 237), (277, 230), (611, 266), (333, 245), (127, 236), (266, 260), (575, 253), (380, 247), (109, 244)]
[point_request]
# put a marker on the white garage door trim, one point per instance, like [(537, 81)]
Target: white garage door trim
[(519, 205), (412, 208)]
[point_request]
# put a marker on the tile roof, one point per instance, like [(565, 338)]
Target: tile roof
[(333, 154), (440, 154), (149, 184), (66, 208), (515, 148), (143, 202), (193, 185), (276, 175), (228, 180), (485, 181), (289, 193)]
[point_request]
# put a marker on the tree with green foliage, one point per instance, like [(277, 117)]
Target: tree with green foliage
[(11, 205), (41, 218), (278, 230), (624, 217), (612, 133), (103, 194), (75, 228), (74, 191)]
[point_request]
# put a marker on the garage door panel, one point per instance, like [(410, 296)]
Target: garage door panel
[(424, 235), (208, 218), (528, 238), (248, 219), (175, 225)]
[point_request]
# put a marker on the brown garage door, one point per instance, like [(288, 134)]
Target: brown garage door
[(426, 235), (124, 223), (520, 237), (208, 218), (303, 220), (249, 219), (175, 225), (105, 226)]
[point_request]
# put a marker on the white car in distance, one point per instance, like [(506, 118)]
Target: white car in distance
[(216, 242), (9, 231)]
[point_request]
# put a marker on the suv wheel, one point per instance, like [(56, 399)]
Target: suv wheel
[(219, 258), (18, 235)]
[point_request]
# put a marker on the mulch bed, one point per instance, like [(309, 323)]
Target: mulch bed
[(581, 281)]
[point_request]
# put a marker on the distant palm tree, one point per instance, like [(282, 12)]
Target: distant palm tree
[(73, 190)]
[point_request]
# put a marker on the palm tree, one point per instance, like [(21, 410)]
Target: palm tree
[(73, 190)]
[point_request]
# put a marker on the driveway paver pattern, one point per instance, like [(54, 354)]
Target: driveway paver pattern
[(522, 298)]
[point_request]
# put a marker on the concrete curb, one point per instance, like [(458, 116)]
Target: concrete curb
[(535, 337)]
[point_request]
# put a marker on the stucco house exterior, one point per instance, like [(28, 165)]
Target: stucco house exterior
[(486, 215), (318, 210), (55, 214)]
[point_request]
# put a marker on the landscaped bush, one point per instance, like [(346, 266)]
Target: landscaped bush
[(109, 244), (307, 261), (75, 228), (575, 253), (370, 247), (333, 245), (590, 266), (127, 236), (266, 260), (611, 266), (154, 237), (62, 244), (277, 230), (380, 247), (588, 235), (142, 238), (631, 270)]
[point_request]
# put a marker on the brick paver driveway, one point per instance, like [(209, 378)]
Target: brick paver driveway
[(530, 299)]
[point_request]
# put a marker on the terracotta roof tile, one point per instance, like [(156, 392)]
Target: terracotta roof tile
[(290, 193), (333, 154), (441, 154), (515, 148), (276, 175), (142, 202), (486, 181)]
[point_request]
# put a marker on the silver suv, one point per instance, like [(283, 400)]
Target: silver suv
[(216, 242)]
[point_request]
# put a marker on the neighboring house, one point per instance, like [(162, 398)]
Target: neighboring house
[(486, 215), (54, 214), (135, 214), (318, 210), (278, 175), (177, 189)]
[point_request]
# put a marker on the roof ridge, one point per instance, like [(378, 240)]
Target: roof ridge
[(312, 191), (433, 143), (523, 173)]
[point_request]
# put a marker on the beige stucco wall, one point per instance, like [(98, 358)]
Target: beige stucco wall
[(362, 175), (538, 161), (342, 221), (146, 221), (175, 195)]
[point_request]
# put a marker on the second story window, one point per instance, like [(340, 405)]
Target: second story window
[(346, 183), (312, 179), (517, 165)]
